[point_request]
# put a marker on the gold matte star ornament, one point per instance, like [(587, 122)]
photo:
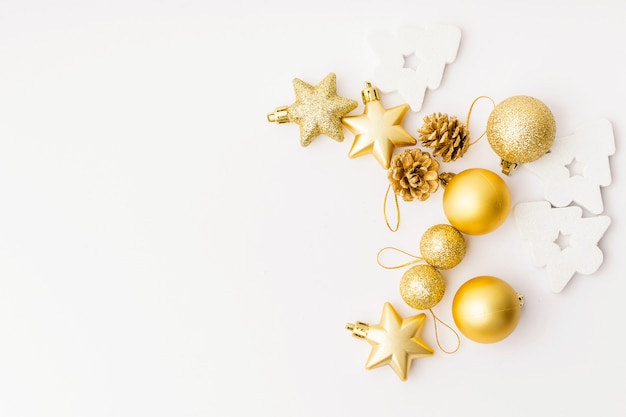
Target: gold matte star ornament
[(317, 109), (395, 340), (378, 130)]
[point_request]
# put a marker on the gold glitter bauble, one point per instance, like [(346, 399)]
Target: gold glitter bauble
[(486, 309), (422, 287), (442, 246), (476, 201), (520, 129)]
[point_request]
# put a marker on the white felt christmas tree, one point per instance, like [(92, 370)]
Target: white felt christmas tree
[(577, 166), (561, 239), (414, 60)]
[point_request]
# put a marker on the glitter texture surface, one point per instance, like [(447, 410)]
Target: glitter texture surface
[(521, 129), (318, 109), (422, 287), (442, 246)]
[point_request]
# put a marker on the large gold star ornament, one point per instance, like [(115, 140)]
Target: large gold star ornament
[(395, 340), (378, 130), (317, 109)]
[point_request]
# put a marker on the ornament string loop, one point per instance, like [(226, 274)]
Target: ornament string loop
[(395, 197), (414, 261), (458, 339), (469, 113)]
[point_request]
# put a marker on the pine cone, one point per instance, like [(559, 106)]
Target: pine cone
[(414, 175), (447, 136)]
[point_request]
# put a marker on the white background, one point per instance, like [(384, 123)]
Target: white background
[(165, 251)]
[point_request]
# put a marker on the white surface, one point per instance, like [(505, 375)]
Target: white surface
[(165, 251), (561, 239), (577, 166)]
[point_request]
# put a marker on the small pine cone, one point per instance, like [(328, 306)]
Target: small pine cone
[(414, 175), (447, 136)]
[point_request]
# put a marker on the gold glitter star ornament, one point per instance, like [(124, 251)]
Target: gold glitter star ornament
[(317, 109), (378, 130), (395, 340), (520, 129)]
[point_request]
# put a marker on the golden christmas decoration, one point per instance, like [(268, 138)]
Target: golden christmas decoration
[(378, 130), (476, 201), (486, 309), (520, 129), (395, 340), (442, 246), (317, 109), (422, 287), (447, 136), (414, 175)]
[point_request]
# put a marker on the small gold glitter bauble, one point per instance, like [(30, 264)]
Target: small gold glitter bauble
[(442, 246), (422, 287), (520, 129), (476, 201), (486, 309)]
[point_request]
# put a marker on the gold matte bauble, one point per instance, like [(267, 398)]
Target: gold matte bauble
[(520, 129), (422, 287), (486, 309), (442, 246), (476, 201)]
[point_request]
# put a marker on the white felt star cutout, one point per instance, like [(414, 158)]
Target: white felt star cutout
[(414, 60), (561, 240), (577, 166)]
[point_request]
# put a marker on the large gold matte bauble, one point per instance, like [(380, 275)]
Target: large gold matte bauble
[(520, 129), (442, 246), (486, 309), (476, 201), (422, 287)]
